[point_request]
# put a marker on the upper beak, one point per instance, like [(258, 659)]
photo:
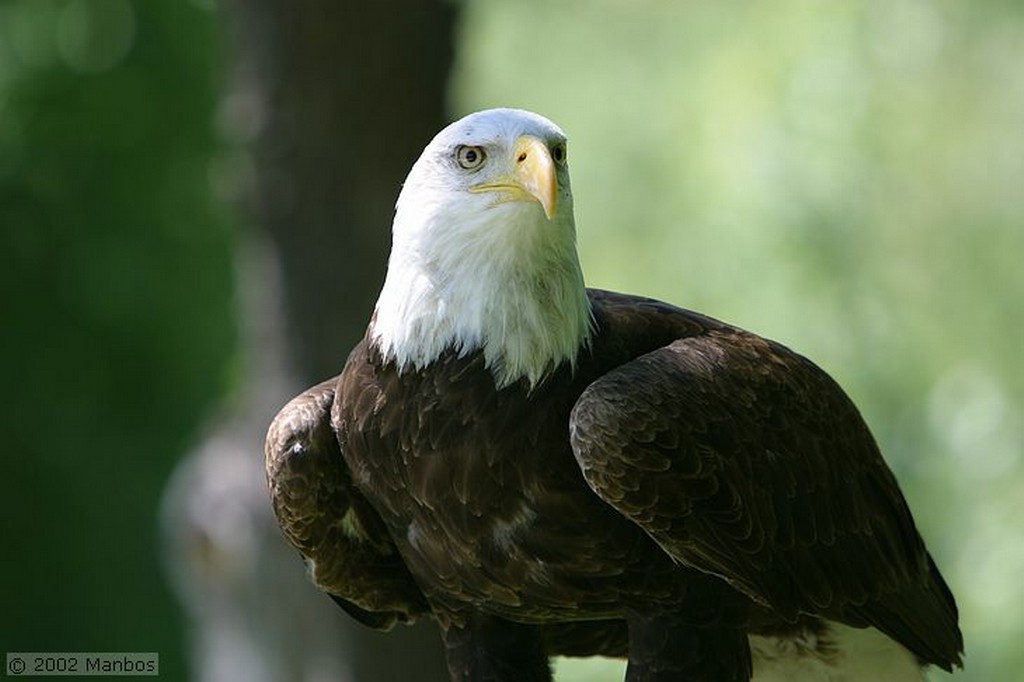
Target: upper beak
[(533, 176)]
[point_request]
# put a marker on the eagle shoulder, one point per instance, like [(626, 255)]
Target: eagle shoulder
[(745, 460), (327, 519)]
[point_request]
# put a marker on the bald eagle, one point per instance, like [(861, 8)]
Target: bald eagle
[(545, 469)]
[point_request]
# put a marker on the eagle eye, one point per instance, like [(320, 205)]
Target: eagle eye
[(558, 152), (469, 157)]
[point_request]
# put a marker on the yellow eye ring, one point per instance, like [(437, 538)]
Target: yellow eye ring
[(469, 156)]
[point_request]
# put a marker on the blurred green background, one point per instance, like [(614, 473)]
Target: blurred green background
[(847, 178)]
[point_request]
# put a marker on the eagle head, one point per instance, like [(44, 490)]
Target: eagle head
[(483, 254)]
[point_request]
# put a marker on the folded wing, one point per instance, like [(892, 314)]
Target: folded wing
[(745, 460), (329, 522)]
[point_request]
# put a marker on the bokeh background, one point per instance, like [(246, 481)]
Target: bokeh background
[(847, 178)]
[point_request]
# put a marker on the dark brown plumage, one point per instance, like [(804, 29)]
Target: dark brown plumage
[(734, 482), (545, 469)]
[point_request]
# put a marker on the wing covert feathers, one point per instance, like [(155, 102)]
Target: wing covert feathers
[(744, 460), (739, 458), (328, 521)]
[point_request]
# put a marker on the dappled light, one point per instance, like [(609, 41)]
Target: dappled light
[(845, 178)]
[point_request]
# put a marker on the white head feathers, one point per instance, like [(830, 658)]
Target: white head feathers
[(483, 255)]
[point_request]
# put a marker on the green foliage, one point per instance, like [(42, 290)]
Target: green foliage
[(116, 285), (843, 177)]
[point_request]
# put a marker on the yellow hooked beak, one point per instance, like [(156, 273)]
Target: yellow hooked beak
[(533, 176)]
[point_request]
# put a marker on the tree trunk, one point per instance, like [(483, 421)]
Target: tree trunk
[(348, 94), (328, 104)]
